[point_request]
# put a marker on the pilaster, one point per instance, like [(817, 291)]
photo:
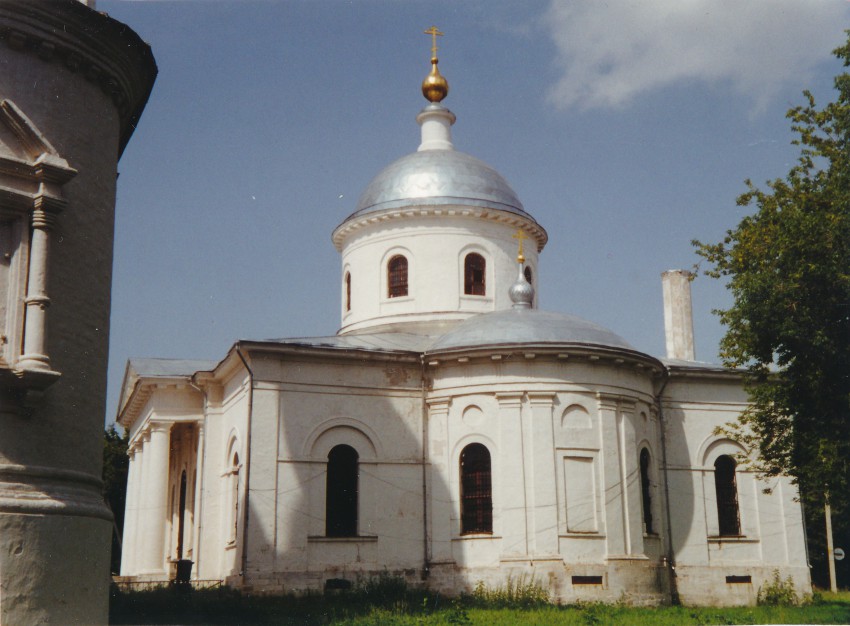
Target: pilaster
[(543, 474), (619, 463), (443, 517), (511, 503)]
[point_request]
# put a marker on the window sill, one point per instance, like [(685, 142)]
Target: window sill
[(588, 535), (733, 539), (476, 537), (356, 539)]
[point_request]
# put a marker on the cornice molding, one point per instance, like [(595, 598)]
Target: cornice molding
[(353, 225), (98, 48)]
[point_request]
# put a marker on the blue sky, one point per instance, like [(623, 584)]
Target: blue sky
[(626, 128)]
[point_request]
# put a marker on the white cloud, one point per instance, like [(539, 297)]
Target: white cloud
[(612, 51)]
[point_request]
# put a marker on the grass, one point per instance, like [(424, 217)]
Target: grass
[(379, 603)]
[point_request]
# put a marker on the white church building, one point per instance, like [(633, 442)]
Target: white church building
[(451, 432)]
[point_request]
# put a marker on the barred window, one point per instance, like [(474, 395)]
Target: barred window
[(728, 516), (474, 271), (348, 291), (397, 276), (341, 493), (475, 490), (233, 477), (646, 494)]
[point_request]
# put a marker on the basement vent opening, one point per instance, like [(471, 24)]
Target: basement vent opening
[(337, 584), (587, 580), (731, 580)]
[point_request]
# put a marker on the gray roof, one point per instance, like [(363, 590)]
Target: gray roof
[(527, 326), (381, 341), (170, 367), (437, 177)]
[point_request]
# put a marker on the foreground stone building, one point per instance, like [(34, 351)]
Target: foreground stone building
[(451, 432), (73, 83)]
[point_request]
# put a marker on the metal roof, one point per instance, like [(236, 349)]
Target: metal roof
[(170, 367), (527, 326), (383, 341), (437, 177)]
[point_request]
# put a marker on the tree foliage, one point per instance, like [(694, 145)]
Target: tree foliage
[(788, 267)]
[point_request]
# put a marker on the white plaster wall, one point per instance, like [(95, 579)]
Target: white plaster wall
[(771, 523), (435, 248), (542, 418), (312, 405), (225, 430)]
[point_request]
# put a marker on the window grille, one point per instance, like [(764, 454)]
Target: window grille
[(474, 273), (646, 494), (348, 291), (476, 491), (727, 497), (397, 277)]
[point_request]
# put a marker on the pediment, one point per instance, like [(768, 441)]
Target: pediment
[(31, 169), (25, 152)]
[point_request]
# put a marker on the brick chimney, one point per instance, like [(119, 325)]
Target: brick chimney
[(678, 316)]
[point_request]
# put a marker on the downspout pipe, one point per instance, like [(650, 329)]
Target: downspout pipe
[(671, 555), (246, 513)]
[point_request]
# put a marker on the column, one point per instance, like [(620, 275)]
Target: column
[(196, 503), (542, 462), (154, 501), (511, 469), (35, 325), (131, 509)]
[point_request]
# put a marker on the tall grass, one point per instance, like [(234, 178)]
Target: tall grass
[(388, 600), (515, 593)]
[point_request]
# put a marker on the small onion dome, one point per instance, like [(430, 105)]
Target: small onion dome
[(521, 292), (435, 87)]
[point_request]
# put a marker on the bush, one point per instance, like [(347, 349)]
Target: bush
[(778, 592)]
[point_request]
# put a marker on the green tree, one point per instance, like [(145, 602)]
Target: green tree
[(116, 465), (788, 268)]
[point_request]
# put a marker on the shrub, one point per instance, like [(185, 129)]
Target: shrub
[(778, 592)]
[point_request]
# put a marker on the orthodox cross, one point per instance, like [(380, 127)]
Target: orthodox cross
[(434, 32), (521, 236)]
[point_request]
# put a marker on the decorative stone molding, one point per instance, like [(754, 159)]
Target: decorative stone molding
[(100, 49), (352, 226), (30, 197), (35, 490)]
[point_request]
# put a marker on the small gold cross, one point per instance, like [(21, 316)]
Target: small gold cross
[(434, 34), (521, 236)]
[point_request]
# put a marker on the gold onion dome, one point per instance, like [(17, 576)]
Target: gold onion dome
[(435, 87)]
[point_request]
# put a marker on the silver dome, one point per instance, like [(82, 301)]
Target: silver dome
[(436, 177), (528, 327)]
